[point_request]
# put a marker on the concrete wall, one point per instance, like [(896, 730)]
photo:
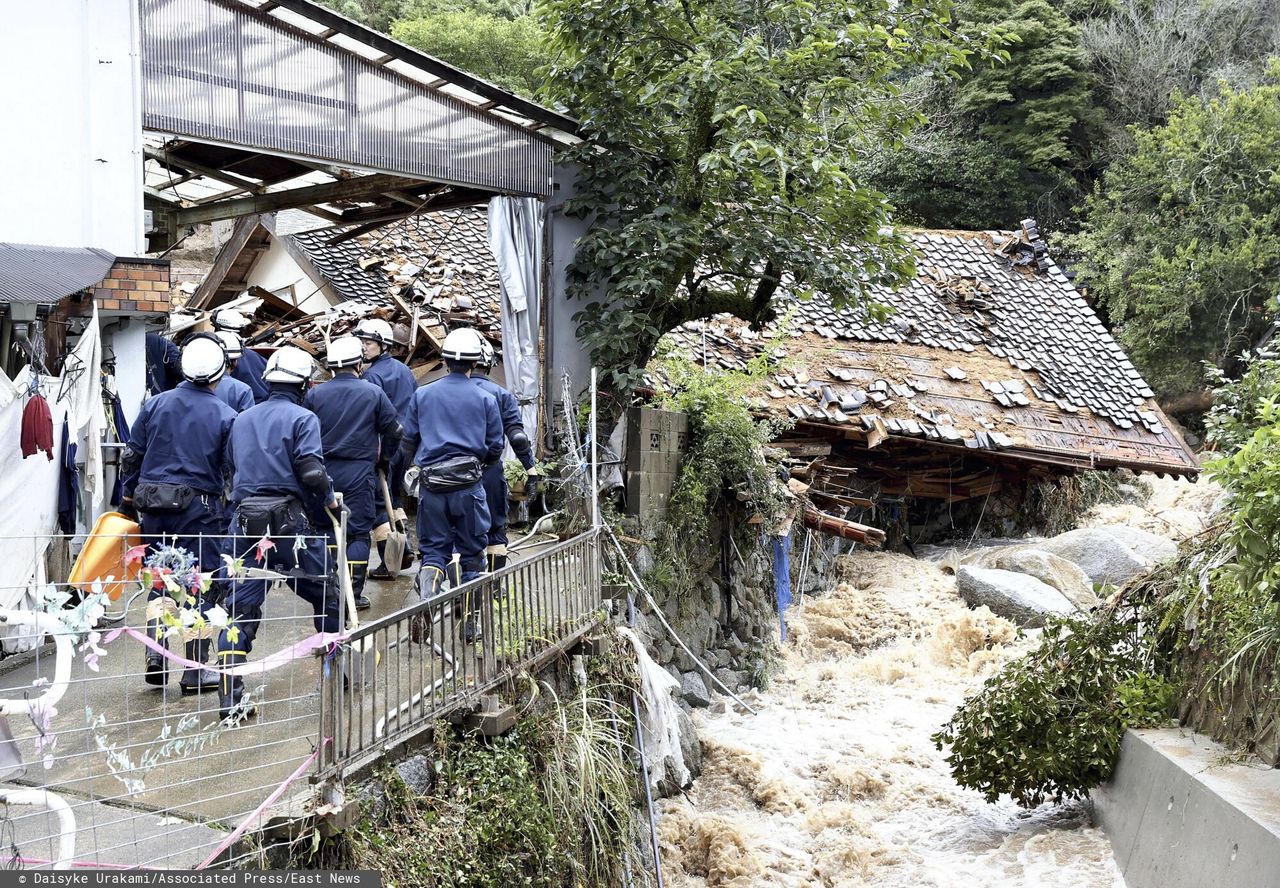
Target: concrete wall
[(563, 351), (72, 151), (1180, 814)]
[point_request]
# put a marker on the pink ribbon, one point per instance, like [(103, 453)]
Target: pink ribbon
[(326, 641), (270, 800)]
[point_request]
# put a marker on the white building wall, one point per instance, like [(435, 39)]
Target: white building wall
[(277, 270), (71, 153)]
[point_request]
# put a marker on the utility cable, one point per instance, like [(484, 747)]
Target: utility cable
[(663, 620)]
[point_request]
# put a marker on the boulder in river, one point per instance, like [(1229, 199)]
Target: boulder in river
[(1017, 597), (1107, 554), (1046, 567)]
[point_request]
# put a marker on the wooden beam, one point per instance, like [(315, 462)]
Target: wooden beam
[(363, 187), (846, 530), (422, 323), (240, 182), (226, 257)]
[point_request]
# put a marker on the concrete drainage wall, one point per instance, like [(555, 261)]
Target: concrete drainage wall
[(1182, 813)]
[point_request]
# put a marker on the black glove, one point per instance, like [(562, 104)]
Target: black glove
[(127, 509), (383, 467), (531, 483)]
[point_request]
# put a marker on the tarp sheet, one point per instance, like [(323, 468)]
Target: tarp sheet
[(515, 236), (28, 490)]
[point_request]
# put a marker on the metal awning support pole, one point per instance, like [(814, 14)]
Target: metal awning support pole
[(595, 464)]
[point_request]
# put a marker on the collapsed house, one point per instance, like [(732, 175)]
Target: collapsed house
[(308, 283), (990, 372)]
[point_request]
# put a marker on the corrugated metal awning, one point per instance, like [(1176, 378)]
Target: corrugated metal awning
[(32, 273)]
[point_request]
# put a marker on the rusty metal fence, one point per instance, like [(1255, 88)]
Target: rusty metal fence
[(399, 675)]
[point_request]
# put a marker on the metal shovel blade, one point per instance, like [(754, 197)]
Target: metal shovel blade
[(398, 557)]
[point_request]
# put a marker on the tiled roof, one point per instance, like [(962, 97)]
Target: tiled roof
[(989, 347), (439, 260)]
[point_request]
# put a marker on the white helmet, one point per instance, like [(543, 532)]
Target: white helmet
[(229, 319), (463, 344), (232, 343), (288, 364), (343, 352), (203, 360), (488, 357), (375, 330)]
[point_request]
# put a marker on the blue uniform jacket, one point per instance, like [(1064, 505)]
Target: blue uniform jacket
[(356, 419), (509, 408), (181, 436), (234, 393), (164, 364), (266, 444), (249, 370), (393, 377), (452, 417)]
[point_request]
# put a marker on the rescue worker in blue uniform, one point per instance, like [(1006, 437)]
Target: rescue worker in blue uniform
[(164, 364), (251, 366), (280, 492), (231, 391), (454, 430), (359, 431), (174, 473), (495, 480), (393, 377)]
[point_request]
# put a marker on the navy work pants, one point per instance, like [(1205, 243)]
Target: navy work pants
[(495, 492), (200, 528), (310, 574), (456, 521)]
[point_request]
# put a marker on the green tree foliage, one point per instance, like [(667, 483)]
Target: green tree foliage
[(376, 14), (1182, 243), (1009, 139), (1146, 53), (1047, 727), (723, 140), (1037, 105), (506, 51)]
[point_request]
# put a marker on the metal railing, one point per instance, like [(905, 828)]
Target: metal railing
[(396, 677), (100, 768)]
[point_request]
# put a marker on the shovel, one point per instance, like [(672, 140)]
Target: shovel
[(398, 557), (364, 653)]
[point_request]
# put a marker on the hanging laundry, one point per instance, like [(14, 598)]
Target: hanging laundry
[(68, 483), (37, 426), (121, 430)]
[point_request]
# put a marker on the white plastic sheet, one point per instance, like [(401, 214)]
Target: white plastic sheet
[(659, 718), (28, 491), (515, 237)]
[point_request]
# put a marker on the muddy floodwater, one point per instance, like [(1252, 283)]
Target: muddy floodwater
[(834, 782)]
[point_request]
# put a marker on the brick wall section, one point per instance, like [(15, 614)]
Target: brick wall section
[(134, 285)]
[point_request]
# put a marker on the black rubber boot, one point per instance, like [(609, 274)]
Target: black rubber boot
[(358, 574), (156, 671), (471, 631), (381, 572), (231, 690), (194, 681), (497, 563), (427, 584)]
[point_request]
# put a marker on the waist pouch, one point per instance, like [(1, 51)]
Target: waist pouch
[(452, 474), (271, 515), (158, 498)]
